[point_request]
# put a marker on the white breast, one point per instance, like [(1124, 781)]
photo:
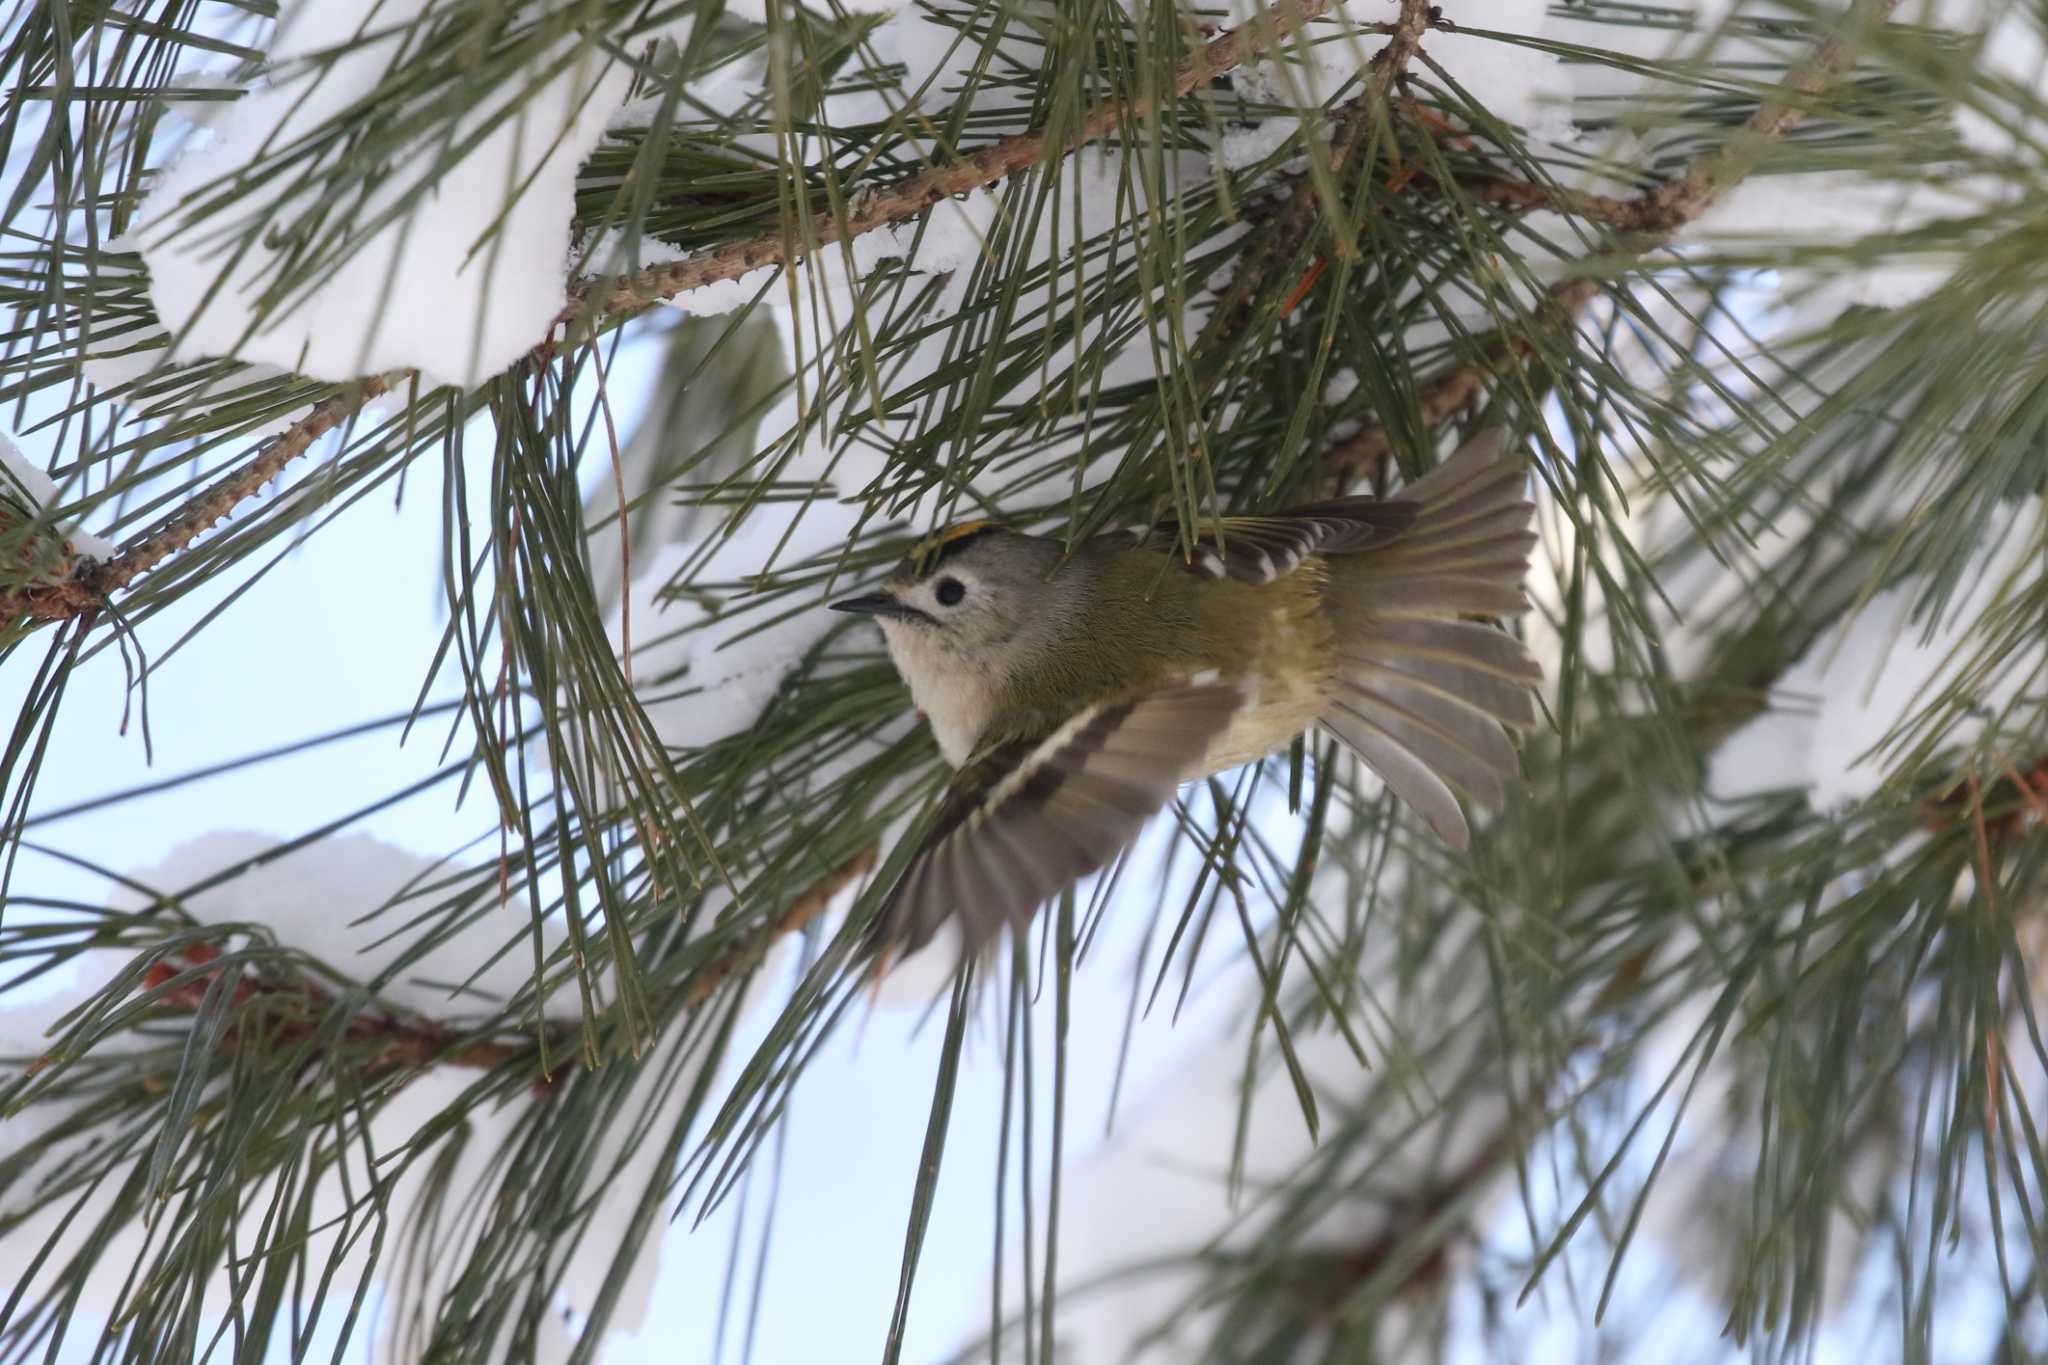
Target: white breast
[(959, 707), (958, 715)]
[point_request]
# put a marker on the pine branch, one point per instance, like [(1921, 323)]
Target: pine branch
[(1645, 224), (283, 1016), (909, 199), (1354, 120), (290, 1019), (1414, 1248), (1998, 812), (745, 954), (1526, 196), (1359, 458), (1682, 201), (90, 583)]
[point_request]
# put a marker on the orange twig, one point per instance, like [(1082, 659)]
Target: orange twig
[(1308, 282)]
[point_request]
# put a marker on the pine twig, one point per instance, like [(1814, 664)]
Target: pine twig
[(285, 1014), (1645, 224), (2013, 803), (91, 582), (1280, 241), (1360, 457), (1682, 201), (1422, 1267), (748, 952), (911, 198), (282, 1016), (1526, 196)]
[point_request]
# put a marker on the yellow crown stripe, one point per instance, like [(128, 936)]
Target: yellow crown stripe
[(940, 539)]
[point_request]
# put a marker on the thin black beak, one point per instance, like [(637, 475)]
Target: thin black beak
[(874, 604)]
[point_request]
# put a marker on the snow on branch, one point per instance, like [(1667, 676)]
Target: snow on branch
[(453, 261), (26, 495), (91, 584), (908, 199), (229, 994)]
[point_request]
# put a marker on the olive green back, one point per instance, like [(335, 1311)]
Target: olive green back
[(1148, 618)]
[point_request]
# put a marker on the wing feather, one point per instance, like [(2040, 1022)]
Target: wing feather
[(1033, 812), (1260, 549)]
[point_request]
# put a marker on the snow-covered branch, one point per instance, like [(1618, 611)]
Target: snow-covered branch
[(1643, 224), (91, 583)]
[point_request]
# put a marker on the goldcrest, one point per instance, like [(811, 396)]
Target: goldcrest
[(1075, 690)]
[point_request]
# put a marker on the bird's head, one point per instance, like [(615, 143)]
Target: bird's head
[(977, 595), (968, 612)]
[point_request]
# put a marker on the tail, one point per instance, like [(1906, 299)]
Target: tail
[(1421, 695)]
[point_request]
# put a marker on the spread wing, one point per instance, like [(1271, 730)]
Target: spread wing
[(1262, 548), (1030, 813)]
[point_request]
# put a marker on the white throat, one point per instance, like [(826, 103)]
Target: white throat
[(958, 698)]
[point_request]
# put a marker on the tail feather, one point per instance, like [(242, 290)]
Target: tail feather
[(1477, 462), (1502, 525), (1506, 700), (1496, 559), (1439, 595), (1461, 765), (1408, 776), (1461, 643), (1423, 696), (1456, 720)]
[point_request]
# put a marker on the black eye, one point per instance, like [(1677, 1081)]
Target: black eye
[(951, 590)]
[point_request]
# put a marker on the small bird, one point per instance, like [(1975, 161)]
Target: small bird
[(1073, 692)]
